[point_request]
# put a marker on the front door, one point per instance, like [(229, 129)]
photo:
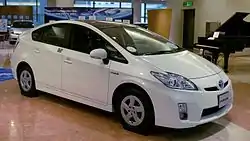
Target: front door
[(82, 75), (48, 44)]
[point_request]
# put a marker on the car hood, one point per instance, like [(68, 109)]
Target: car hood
[(20, 30), (184, 63)]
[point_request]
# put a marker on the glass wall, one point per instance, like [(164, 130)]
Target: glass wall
[(102, 4), (82, 3), (37, 10), (117, 4), (38, 6), (149, 6), (126, 5), (1, 2), (143, 12)]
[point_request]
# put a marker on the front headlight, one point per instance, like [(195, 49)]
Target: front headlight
[(174, 81)]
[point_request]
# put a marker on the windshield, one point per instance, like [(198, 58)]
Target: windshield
[(23, 25), (139, 41)]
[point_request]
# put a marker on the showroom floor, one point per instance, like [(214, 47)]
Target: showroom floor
[(49, 118)]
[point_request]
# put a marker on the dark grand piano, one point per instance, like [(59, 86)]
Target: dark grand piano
[(230, 37)]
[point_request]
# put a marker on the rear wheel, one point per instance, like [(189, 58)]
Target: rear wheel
[(26, 82), (135, 111)]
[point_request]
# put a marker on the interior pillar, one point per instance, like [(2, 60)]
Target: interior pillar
[(60, 3), (51, 3), (43, 3), (136, 4), (176, 24), (64, 3)]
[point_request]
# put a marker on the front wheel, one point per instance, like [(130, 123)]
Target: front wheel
[(135, 111), (26, 82)]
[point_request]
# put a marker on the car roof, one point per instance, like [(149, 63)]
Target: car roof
[(106, 24)]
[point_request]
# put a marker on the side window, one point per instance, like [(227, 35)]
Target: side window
[(114, 54), (37, 35), (85, 40), (81, 39), (57, 34)]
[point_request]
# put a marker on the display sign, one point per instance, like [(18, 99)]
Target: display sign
[(5, 74), (109, 19), (3, 25), (188, 3), (126, 21), (92, 17), (76, 13), (118, 21), (81, 18)]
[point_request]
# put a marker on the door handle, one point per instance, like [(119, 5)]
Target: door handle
[(68, 61), (37, 51)]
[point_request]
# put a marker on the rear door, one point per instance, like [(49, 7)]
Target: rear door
[(49, 43)]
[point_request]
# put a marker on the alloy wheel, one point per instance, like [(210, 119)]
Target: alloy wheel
[(26, 80), (132, 110)]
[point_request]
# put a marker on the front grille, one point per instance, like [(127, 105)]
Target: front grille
[(212, 89), (210, 111), (215, 88)]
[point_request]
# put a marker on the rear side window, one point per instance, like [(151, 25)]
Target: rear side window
[(56, 34), (37, 35)]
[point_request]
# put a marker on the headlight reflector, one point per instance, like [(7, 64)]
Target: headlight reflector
[(174, 81)]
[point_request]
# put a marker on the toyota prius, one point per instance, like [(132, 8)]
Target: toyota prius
[(141, 76)]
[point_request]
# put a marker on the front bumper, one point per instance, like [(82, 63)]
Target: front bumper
[(202, 106)]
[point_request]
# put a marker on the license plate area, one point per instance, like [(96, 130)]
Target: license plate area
[(223, 99)]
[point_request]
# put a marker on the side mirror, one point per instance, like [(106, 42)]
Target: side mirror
[(98, 54)]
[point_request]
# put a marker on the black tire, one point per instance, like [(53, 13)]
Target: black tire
[(31, 92), (148, 121)]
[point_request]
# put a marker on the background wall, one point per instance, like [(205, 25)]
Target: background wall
[(216, 10)]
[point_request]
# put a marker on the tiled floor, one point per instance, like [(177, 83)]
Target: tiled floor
[(49, 118)]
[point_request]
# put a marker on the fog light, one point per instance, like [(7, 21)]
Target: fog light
[(183, 111)]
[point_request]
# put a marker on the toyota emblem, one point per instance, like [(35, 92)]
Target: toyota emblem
[(221, 84)]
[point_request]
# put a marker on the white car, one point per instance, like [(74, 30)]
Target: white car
[(17, 28), (141, 76)]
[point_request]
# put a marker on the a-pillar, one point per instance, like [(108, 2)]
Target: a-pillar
[(136, 4), (176, 25), (60, 3)]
